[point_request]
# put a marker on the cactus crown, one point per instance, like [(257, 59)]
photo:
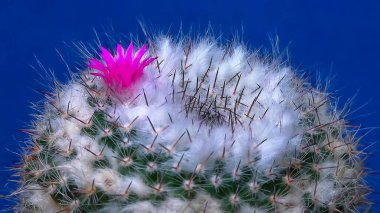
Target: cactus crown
[(208, 128)]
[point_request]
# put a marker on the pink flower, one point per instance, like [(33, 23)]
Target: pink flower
[(121, 70)]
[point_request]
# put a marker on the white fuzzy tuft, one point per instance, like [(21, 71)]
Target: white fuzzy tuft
[(268, 136)]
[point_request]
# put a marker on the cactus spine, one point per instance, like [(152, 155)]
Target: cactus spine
[(206, 128)]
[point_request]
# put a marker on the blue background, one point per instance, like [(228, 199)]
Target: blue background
[(326, 38)]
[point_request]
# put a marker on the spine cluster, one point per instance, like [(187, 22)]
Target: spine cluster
[(205, 128)]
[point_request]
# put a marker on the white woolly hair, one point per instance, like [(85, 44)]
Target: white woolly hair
[(269, 85)]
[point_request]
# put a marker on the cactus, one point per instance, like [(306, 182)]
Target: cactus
[(190, 126)]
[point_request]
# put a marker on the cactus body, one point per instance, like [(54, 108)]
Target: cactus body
[(205, 128)]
